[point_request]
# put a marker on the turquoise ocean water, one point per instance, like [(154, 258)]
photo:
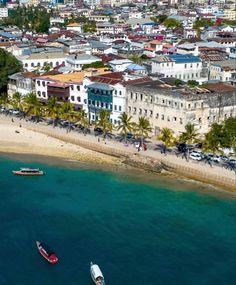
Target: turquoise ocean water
[(139, 234)]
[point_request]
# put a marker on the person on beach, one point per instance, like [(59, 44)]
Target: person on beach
[(12, 120)]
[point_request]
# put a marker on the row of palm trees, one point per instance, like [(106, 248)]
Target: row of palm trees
[(30, 105)]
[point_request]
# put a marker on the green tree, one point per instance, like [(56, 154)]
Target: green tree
[(90, 27), (96, 64), (229, 131), (167, 137), (190, 135), (126, 125), (16, 101), (4, 100), (213, 139), (192, 83), (104, 122), (142, 129), (172, 23), (8, 66), (83, 121), (32, 105), (53, 109)]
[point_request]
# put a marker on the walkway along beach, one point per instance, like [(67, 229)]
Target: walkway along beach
[(26, 137)]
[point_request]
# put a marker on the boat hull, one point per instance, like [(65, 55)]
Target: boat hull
[(28, 174), (51, 259)]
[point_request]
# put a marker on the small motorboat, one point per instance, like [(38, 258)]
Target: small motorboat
[(28, 172), (96, 274), (46, 252)]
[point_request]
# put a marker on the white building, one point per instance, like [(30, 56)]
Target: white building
[(76, 27), (222, 70), (184, 67), (3, 13), (22, 83), (120, 64), (36, 61), (76, 62)]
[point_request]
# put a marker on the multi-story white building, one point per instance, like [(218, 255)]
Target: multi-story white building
[(120, 64), (3, 13), (37, 61), (222, 70), (22, 83), (175, 107), (181, 66)]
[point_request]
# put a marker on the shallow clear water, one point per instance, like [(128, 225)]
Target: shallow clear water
[(138, 234)]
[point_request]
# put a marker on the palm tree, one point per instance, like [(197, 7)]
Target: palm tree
[(142, 128), (167, 137), (190, 135), (32, 105), (104, 122), (83, 121), (16, 101), (4, 100), (126, 126), (67, 112), (53, 109)]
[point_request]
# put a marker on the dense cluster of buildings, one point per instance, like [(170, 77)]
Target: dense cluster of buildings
[(132, 63)]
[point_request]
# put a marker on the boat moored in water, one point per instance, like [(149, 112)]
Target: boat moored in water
[(46, 252), (96, 274), (28, 172)]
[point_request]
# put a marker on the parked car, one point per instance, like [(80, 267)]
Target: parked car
[(195, 155), (224, 158)]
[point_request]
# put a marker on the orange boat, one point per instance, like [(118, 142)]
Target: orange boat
[(28, 172)]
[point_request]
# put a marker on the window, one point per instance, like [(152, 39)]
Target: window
[(110, 106), (163, 101), (38, 64), (26, 65), (72, 87), (72, 98), (181, 121), (115, 122), (97, 103), (135, 110), (129, 109), (185, 66), (32, 64), (44, 94), (120, 108), (106, 105), (174, 119), (78, 88), (151, 113), (131, 95), (141, 97), (38, 82), (57, 63), (181, 105), (43, 83), (140, 111), (115, 92), (85, 101), (78, 99), (197, 64), (39, 93), (157, 116), (115, 107), (145, 112), (162, 117), (189, 106), (120, 93), (89, 102), (168, 118)]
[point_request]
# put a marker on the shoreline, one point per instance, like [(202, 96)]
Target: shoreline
[(46, 141), (169, 180)]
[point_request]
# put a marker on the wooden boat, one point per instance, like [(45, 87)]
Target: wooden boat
[(46, 252), (28, 172), (96, 274)]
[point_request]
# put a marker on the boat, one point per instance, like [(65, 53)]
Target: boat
[(46, 252), (28, 172), (96, 274)]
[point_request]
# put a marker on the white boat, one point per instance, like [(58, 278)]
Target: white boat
[(96, 274)]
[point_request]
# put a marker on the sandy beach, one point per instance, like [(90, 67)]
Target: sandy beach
[(39, 139)]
